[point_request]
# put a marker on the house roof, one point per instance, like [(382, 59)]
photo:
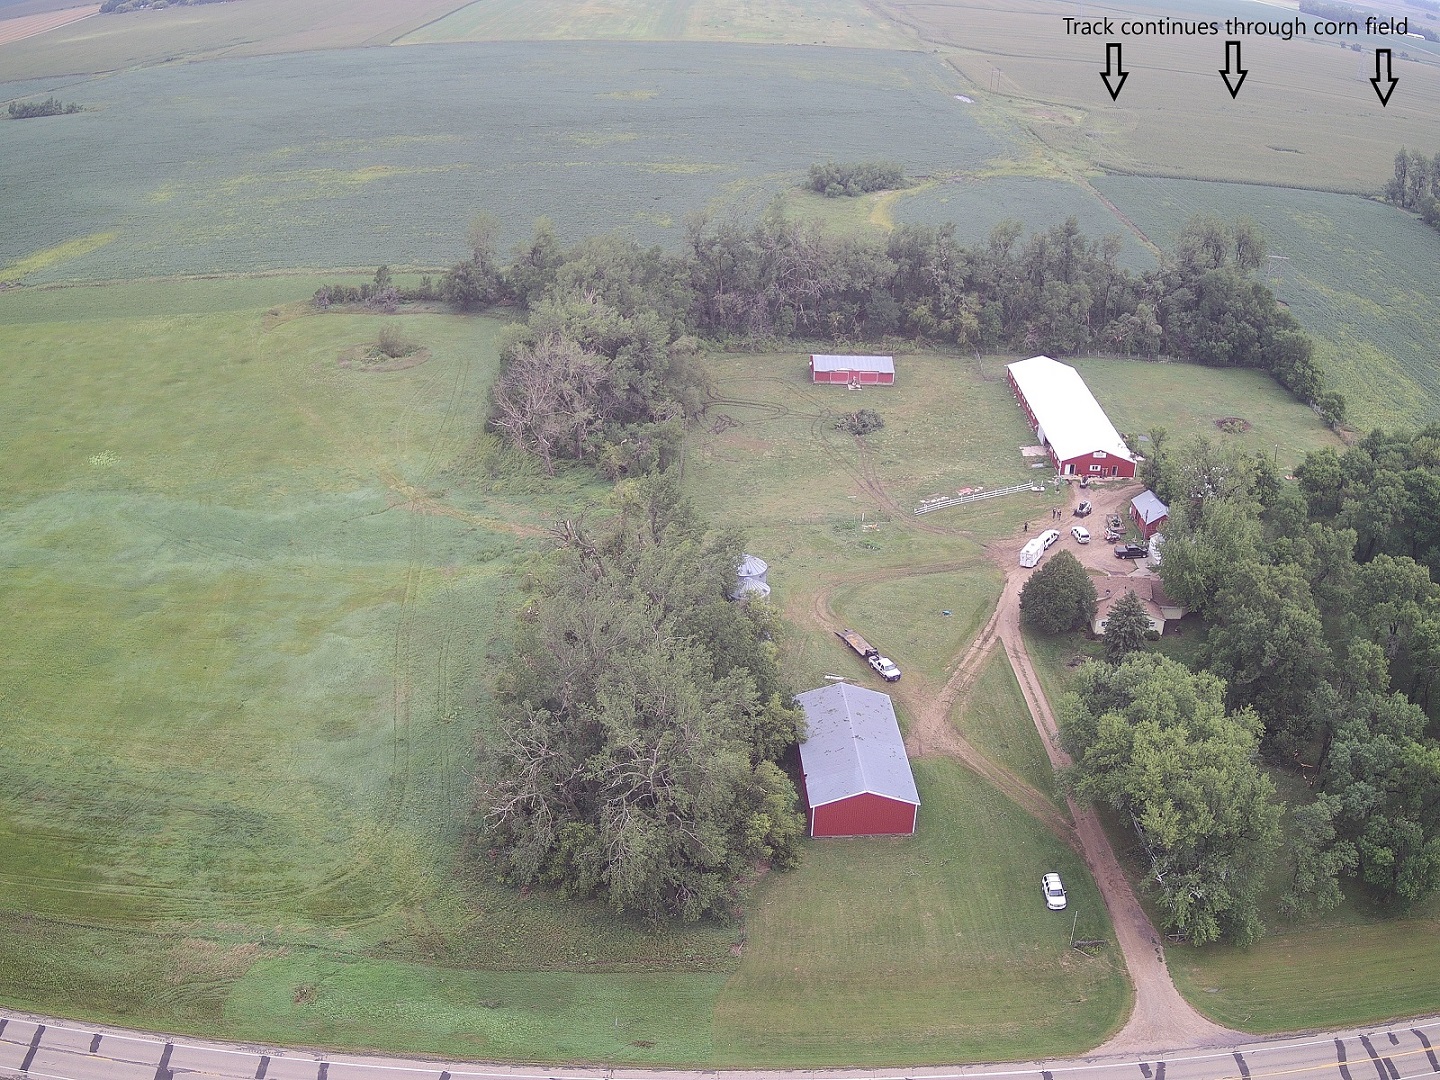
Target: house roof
[(1148, 505), (1141, 588), (853, 746), (884, 364), (1070, 418)]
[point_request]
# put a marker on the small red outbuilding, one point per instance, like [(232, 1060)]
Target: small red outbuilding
[(856, 774), (855, 370), (1148, 513)]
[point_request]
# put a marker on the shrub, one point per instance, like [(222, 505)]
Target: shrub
[(393, 343)]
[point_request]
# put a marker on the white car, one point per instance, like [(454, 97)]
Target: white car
[(1050, 536), (1082, 536), (1054, 892), (885, 667)]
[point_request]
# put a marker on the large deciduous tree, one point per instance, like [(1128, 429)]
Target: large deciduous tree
[(1153, 739), (1059, 597)]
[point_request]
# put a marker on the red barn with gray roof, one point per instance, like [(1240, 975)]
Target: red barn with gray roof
[(856, 774), (853, 370)]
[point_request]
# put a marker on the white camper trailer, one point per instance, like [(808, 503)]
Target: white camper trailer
[(1031, 552)]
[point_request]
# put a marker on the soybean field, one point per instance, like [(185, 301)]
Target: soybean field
[(356, 158)]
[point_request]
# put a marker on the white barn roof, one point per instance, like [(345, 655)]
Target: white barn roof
[(853, 746), (883, 364), (1148, 505), (1070, 418)]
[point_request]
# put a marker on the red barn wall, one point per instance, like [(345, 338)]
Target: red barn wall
[(1107, 463), (863, 815), (1149, 530)]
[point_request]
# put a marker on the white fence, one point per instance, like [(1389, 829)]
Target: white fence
[(976, 496)]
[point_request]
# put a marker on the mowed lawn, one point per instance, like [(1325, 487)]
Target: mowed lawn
[(872, 942), (1187, 400)]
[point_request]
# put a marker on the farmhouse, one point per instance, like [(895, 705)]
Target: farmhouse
[(853, 370), (1159, 605), (856, 776), (1148, 513), (1068, 419)]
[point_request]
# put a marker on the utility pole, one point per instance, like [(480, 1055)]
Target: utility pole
[(1073, 923)]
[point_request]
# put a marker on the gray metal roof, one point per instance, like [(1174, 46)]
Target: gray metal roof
[(853, 363), (1148, 505), (752, 566), (853, 746)]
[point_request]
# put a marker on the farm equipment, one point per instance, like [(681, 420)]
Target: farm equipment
[(883, 665)]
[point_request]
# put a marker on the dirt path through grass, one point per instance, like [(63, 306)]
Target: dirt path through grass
[(1161, 1017)]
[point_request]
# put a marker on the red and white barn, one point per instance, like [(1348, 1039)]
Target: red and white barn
[(1068, 420), (856, 370), (857, 778), (1148, 513)]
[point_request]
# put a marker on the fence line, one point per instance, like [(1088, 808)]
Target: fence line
[(976, 496)]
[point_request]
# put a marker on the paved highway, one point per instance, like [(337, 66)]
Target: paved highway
[(64, 1050)]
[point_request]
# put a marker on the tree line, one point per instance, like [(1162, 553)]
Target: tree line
[(1322, 657), (51, 106), (604, 371), (641, 719), (1416, 185)]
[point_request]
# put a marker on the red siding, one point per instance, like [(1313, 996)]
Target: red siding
[(1150, 530), (1110, 465), (863, 815)]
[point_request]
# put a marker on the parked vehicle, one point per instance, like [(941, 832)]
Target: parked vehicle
[(1084, 509), (1082, 536), (1031, 552), (1113, 536), (883, 665), (1131, 551), (1050, 536), (1054, 892)]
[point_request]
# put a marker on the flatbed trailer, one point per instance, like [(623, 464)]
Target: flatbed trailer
[(856, 642), (883, 665)]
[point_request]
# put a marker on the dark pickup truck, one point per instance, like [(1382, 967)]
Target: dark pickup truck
[(1131, 551)]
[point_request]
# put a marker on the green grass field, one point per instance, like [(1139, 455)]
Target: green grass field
[(994, 717), (1186, 400), (598, 136), (1359, 275), (250, 601), (944, 933)]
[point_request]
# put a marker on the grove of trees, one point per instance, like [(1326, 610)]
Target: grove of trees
[(641, 718), (832, 180), (1416, 185), (1154, 740), (1325, 621)]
